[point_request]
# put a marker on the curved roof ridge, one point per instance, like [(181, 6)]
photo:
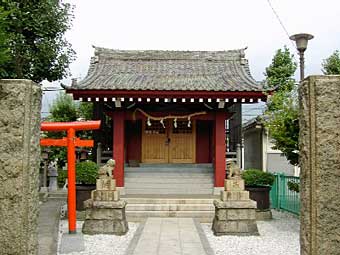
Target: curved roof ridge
[(168, 70), (221, 55)]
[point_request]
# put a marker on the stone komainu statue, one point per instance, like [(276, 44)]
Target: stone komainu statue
[(233, 171), (106, 170)]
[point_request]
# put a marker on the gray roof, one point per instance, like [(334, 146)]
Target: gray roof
[(168, 70)]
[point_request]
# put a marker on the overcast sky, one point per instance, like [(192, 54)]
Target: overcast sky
[(204, 25)]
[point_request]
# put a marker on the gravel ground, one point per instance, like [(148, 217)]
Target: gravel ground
[(278, 236), (100, 244)]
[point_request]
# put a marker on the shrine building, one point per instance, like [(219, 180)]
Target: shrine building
[(167, 107)]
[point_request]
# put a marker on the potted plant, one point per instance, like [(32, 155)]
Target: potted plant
[(259, 183), (86, 175)]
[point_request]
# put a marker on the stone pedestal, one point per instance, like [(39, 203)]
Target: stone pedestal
[(234, 211), (104, 212), (53, 185)]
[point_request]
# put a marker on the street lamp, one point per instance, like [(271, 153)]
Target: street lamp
[(301, 41)]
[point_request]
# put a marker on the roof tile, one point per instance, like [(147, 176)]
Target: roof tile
[(169, 70)]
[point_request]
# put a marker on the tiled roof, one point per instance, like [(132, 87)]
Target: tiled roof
[(168, 70)]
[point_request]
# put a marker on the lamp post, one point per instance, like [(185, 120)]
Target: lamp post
[(301, 41)]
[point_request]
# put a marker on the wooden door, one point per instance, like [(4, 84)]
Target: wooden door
[(155, 148), (182, 146)]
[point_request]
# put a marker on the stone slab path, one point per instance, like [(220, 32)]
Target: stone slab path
[(48, 226), (170, 236)]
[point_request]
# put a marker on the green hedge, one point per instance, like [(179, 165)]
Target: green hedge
[(86, 173), (256, 177)]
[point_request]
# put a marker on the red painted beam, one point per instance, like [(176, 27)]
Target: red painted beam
[(118, 146), (220, 149), (166, 94), (84, 143), (63, 142), (76, 125), (53, 142)]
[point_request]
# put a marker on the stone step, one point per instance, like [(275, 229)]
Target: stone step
[(170, 186), (168, 191), (57, 195), (167, 170), (168, 180), (146, 200), (177, 165), (202, 216), (169, 175), (170, 207)]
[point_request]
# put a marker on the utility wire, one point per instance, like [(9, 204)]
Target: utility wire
[(282, 25), (278, 18)]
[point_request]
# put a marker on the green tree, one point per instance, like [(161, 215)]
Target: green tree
[(280, 72), (64, 109), (281, 116), (35, 31), (331, 65), (85, 110), (4, 40)]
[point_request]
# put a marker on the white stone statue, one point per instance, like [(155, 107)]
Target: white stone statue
[(105, 171), (234, 172)]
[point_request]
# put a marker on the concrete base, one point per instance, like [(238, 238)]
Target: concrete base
[(235, 218), (105, 217), (107, 227), (43, 196), (43, 189), (217, 190), (121, 190), (264, 214), (72, 243), (238, 228)]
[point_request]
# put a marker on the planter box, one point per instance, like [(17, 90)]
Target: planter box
[(83, 193), (260, 195)]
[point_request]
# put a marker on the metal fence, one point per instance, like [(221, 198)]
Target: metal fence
[(283, 198)]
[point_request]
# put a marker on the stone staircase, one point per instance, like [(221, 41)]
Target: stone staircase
[(139, 208), (169, 179), (164, 190), (58, 195)]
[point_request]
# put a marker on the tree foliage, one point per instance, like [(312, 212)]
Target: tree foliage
[(4, 40), (331, 65), (64, 109), (281, 116), (35, 32), (279, 73)]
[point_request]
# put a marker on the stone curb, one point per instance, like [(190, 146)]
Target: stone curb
[(203, 237), (134, 241)]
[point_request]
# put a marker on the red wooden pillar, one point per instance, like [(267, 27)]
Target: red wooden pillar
[(220, 149), (118, 146), (71, 174)]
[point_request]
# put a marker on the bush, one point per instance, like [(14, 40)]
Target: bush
[(293, 186), (62, 176), (86, 172), (256, 177)]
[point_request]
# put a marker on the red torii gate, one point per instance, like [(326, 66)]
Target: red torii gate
[(71, 141)]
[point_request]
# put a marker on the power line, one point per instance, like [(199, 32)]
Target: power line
[(278, 18), (282, 25)]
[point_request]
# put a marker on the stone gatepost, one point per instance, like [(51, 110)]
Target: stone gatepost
[(105, 212), (20, 104), (234, 213), (320, 165)]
